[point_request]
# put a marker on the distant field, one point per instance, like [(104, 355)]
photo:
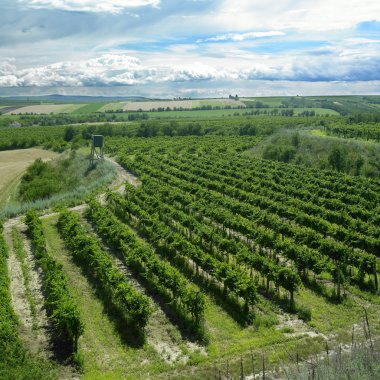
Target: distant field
[(44, 109), (39, 109), (217, 103), (228, 112), (147, 106), (91, 107), (115, 106), (13, 163), (318, 111), (192, 114), (271, 102), (71, 108)]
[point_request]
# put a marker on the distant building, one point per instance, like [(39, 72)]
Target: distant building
[(14, 124)]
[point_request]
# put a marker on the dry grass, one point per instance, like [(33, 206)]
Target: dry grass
[(13, 163)]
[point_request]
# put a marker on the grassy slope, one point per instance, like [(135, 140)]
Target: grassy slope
[(315, 147), (89, 181)]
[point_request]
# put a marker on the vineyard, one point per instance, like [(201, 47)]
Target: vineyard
[(209, 256)]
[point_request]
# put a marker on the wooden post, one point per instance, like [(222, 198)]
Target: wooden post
[(253, 364), (369, 330), (263, 368), (241, 367)]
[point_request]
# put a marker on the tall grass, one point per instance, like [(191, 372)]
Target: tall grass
[(359, 362)]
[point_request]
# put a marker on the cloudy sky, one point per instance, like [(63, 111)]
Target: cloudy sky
[(167, 48)]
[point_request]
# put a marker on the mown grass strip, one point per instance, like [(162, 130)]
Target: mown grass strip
[(19, 250)]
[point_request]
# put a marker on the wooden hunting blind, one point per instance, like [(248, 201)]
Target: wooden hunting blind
[(97, 148), (98, 141)]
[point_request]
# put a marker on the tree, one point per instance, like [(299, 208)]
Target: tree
[(337, 158), (69, 134)]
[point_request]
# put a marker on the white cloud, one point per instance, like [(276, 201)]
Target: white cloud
[(124, 70), (360, 41), (241, 36), (310, 15), (109, 6)]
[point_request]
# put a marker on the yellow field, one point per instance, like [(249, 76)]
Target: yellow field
[(13, 163)]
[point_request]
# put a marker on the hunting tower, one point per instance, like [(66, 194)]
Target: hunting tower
[(97, 148)]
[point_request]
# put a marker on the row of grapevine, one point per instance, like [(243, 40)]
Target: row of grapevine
[(208, 237), (62, 309), (172, 245), (270, 218), (261, 177), (257, 189), (163, 278), (321, 245), (10, 344), (134, 307)]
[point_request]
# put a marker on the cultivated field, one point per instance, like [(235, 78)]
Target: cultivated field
[(45, 109), (112, 107), (148, 106), (204, 258), (13, 164), (217, 103)]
